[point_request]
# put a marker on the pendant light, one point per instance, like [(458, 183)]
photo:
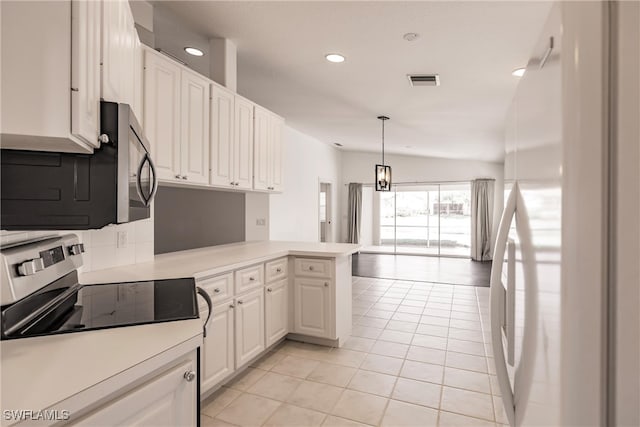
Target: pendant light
[(383, 172)]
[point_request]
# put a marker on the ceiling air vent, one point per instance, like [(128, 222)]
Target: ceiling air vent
[(424, 79)]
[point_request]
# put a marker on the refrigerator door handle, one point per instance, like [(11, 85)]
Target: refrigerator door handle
[(510, 305), (497, 304)]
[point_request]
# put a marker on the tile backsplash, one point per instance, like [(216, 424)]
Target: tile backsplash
[(101, 246)]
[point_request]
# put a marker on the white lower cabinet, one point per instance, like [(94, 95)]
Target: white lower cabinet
[(167, 399), (312, 307), (249, 317), (217, 358), (254, 308), (276, 311)]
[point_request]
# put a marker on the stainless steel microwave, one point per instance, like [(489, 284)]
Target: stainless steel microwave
[(67, 191)]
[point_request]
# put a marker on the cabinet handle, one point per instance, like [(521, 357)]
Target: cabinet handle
[(178, 176), (232, 306), (184, 176), (216, 290), (251, 279), (311, 268), (269, 289), (326, 284), (239, 301), (278, 270), (189, 376)]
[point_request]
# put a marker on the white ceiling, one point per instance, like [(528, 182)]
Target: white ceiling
[(474, 46)]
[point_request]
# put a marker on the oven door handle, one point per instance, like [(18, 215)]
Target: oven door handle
[(207, 298)]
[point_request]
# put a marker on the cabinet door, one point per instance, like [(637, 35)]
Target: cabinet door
[(216, 359), (243, 144), (261, 148), (167, 400), (276, 311), (277, 153), (249, 316), (85, 70), (118, 35), (138, 79), (194, 152), (222, 115), (162, 113), (312, 307)]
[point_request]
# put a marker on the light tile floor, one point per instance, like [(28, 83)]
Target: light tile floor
[(419, 355)]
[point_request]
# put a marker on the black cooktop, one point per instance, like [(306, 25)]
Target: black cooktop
[(66, 306)]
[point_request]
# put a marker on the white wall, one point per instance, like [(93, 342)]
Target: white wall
[(359, 167), (256, 207), (294, 214), (101, 246)]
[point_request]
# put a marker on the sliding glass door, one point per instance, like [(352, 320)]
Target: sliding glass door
[(429, 219)]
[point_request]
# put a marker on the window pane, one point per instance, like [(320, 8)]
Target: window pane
[(387, 220), (323, 206), (455, 219), (416, 227)]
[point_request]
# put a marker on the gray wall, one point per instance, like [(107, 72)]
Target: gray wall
[(172, 36), (187, 218)]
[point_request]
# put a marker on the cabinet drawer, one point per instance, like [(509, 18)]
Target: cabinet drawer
[(313, 267), (219, 288), (276, 270), (249, 278)]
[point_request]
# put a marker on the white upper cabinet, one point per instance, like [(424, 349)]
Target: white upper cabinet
[(118, 52), (50, 75), (195, 128), (222, 113), (261, 148), (176, 120), (138, 79), (162, 113), (85, 70), (231, 140), (277, 153), (243, 144), (267, 167)]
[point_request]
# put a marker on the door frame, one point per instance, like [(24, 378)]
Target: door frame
[(329, 210)]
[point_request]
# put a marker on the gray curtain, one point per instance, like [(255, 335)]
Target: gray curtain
[(481, 218), (355, 212)]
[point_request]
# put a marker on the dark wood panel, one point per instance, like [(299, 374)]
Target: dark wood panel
[(458, 271)]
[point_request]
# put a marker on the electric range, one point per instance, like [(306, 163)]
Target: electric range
[(41, 294)]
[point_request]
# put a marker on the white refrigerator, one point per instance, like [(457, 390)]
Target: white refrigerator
[(556, 294)]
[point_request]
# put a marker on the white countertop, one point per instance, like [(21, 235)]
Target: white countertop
[(43, 371), (215, 259)]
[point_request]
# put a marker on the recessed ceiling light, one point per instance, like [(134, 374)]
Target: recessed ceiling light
[(193, 51), (518, 72), (334, 57), (411, 36)]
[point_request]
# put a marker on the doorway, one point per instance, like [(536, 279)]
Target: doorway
[(325, 218)]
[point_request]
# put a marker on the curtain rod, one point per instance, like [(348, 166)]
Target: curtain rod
[(427, 182)]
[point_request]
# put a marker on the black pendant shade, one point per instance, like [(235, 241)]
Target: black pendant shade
[(383, 172)]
